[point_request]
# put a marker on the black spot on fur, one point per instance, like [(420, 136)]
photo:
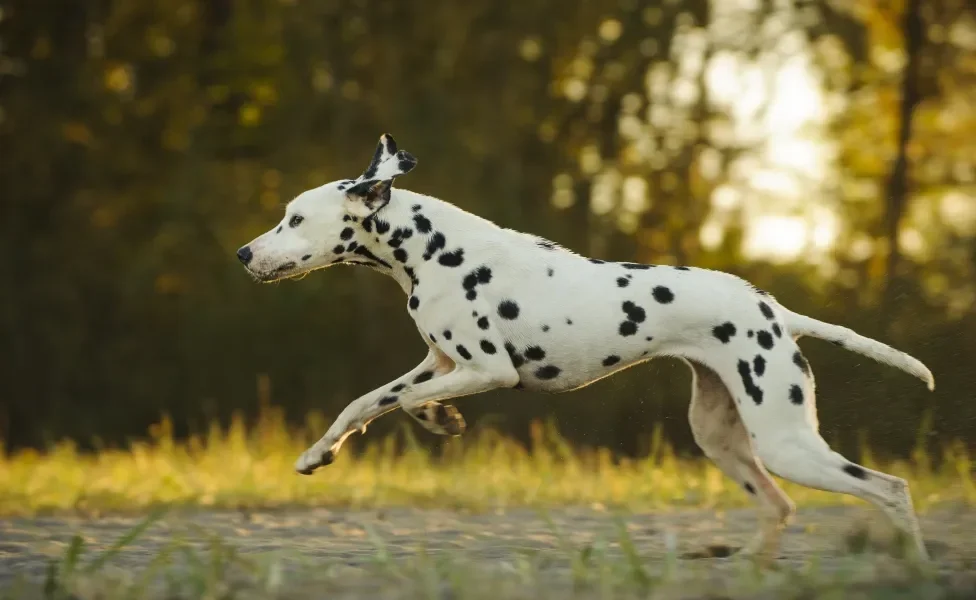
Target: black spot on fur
[(447, 334), (796, 394), (277, 231), (635, 266), (682, 269), (487, 347), (415, 207), (414, 302), (352, 246), (483, 322), (765, 339), (432, 338), (364, 251), (398, 387), (597, 261), (759, 365), (382, 226), (545, 328), (452, 259), (749, 488), (628, 328), (463, 352), (413, 276), (777, 331), (425, 376), (611, 360), (387, 400), (663, 294), (724, 332), (339, 249), (749, 333), (838, 343), (751, 388), (346, 218), (400, 254), (434, 244), (634, 312), (399, 234), (549, 272), (517, 360), (545, 244), (622, 282), (801, 361), (548, 372), (346, 233), (508, 310), (569, 321), (306, 257), (534, 353), (422, 223), (856, 471), (766, 311)]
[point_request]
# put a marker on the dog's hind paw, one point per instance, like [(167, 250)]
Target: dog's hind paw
[(312, 459)]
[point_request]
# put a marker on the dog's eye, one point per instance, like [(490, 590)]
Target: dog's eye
[(295, 221)]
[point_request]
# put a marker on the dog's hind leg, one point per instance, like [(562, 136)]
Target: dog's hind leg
[(803, 457), (718, 430)]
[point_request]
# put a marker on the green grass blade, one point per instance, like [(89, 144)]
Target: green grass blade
[(127, 538)]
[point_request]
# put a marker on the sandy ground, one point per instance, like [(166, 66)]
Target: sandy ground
[(343, 539)]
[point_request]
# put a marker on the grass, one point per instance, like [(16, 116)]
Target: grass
[(239, 467), (607, 568)]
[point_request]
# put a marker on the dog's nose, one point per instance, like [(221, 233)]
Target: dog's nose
[(245, 255)]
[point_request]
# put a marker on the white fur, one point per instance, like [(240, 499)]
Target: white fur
[(574, 316)]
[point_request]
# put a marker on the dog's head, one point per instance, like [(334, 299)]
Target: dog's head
[(319, 227)]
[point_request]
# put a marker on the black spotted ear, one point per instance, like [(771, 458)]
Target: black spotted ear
[(372, 189), (388, 162)]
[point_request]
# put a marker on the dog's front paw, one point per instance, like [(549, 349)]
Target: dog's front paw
[(449, 419), (312, 459)]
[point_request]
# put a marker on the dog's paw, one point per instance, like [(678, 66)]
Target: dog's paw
[(450, 420), (442, 419), (312, 459)]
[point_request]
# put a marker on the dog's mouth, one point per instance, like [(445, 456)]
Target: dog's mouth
[(283, 271)]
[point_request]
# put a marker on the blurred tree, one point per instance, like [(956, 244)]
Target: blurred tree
[(145, 140)]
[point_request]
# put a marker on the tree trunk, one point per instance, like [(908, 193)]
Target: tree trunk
[(898, 182)]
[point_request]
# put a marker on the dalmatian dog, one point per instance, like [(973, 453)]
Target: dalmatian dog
[(499, 308)]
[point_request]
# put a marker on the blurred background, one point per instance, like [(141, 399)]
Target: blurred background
[(824, 149)]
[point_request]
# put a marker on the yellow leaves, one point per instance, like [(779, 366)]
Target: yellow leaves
[(249, 115), (530, 49), (610, 30), (169, 283), (78, 133), (118, 78), (41, 48)]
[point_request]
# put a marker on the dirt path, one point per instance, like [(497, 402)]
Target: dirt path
[(344, 539)]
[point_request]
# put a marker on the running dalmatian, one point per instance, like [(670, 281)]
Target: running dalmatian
[(503, 309)]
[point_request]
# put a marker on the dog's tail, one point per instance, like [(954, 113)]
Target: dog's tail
[(799, 325)]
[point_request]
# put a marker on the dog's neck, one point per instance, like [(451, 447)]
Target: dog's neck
[(405, 237)]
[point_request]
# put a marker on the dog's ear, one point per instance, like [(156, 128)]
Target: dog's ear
[(372, 190), (367, 197), (388, 162)]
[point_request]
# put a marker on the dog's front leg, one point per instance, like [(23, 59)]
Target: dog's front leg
[(411, 394)]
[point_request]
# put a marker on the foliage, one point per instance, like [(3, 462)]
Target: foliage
[(145, 140)]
